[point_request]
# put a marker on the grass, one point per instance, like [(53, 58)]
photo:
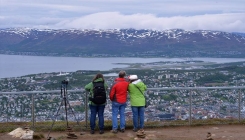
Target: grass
[(61, 125)]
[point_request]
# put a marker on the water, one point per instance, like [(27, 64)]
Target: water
[(17, 65)]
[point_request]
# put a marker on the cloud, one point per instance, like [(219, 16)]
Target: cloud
[(222, 15), (110, 20)]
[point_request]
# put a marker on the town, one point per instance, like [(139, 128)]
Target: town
[(164, 104)]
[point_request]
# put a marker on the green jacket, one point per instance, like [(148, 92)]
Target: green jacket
[(136, 97), (89, 87)]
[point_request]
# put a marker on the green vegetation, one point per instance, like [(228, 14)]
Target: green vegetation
[(215, 78), (61, 125), (170, 97)]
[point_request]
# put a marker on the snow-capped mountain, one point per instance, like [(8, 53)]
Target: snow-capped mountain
[(126, 42)]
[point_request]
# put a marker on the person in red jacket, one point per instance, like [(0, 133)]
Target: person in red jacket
[(118, 96)]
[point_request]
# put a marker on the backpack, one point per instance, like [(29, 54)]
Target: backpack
[(99, 93)]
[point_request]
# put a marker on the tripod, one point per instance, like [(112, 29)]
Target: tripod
[(63, 92)]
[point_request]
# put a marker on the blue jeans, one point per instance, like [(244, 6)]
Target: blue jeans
[(118, 108), (94, 110), (138, 116)]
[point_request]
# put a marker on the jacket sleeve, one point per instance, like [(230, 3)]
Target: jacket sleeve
[(88, 87), (145, 88), (112, 92), (106, 86), (142, 87)]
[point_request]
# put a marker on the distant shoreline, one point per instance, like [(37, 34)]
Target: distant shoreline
[(19, 65), (109, 56)]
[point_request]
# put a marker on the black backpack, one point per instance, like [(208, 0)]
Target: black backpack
[(99, 93)]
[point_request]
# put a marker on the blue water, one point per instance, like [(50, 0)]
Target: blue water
[(18, 65)]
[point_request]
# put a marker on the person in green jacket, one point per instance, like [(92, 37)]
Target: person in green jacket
[(95, 104), (136, 91)]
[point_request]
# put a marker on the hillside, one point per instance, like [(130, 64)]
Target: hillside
[(122, 42)]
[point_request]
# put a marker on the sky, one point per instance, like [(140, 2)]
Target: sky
[(218, 15)]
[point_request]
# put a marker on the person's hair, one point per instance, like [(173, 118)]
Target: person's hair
[(97, 76), (122, 74)]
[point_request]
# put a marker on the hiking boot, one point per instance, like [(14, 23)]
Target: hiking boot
[(92, 132), (122, 130), (101, 131), (114, 131), (135, 130)]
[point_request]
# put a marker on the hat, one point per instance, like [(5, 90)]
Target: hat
[(133, 77)]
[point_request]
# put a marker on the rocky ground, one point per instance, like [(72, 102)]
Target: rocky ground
[(218, 132)]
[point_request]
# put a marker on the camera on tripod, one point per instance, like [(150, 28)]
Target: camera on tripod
[(63, 88), (64, 82), (65, 102)]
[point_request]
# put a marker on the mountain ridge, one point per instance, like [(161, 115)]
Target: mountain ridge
[(122, 42)]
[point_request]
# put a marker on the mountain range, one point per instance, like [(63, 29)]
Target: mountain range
[(122, 42)]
